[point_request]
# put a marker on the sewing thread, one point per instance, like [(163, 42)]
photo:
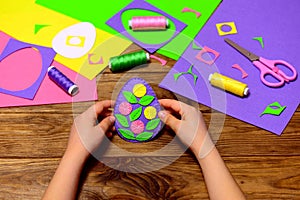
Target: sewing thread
[(62, 81), (148, 23), (229, 84), (128, 61)]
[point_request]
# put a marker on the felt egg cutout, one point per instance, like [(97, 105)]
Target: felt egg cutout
[(136, 112), (75, 41)]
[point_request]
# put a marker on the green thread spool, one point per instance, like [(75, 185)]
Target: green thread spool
[(128, 61)]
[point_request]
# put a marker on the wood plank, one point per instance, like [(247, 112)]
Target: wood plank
[(269, 177), (46, 135)]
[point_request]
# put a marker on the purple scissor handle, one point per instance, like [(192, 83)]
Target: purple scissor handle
[(267, 67)]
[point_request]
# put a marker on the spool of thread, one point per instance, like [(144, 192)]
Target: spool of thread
[(62, 81), (128, 61), (148, 23), (229, 84)]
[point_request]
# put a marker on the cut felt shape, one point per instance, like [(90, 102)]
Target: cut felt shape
[(196, 47), (19, 20), (149, 40), (244, 73), (184, 10), (190, 71), (260, 40), (274, 109), (162, 61), (91, 62), (281, 44), (48, 92), (207, 59), (226, 28), (136, 111), (19, 80), (89, 11), (75, 41), (38, 27)]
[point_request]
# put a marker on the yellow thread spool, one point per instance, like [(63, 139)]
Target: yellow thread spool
[(229, 84)]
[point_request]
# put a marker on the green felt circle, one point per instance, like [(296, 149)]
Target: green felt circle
[(147, 37)]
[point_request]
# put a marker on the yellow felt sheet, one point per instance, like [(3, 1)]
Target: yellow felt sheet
[(19, 17)]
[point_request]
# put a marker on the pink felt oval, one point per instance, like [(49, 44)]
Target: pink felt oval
[(20, 70)]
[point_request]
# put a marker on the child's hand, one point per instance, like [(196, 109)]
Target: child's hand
[(191, 128), (85, 134)]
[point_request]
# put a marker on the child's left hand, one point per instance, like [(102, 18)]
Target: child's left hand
[(86, 135)]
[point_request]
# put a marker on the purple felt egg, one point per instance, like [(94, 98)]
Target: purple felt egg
[(136, 111)]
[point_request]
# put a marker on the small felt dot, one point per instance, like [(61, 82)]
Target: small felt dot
[(125, 108), (137, 127), (150, 112), (139, 90)]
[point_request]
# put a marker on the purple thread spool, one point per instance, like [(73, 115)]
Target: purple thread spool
[(148, 23), (62, 81)]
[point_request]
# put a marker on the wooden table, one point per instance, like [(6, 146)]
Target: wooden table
[(33, 140)]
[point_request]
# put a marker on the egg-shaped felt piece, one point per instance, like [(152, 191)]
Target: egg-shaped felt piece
[(136, 110)]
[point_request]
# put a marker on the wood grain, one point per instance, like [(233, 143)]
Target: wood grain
[(33, 139)]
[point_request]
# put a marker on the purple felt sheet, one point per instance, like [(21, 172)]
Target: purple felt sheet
[(276, 21), (47, 55), (116, 23)]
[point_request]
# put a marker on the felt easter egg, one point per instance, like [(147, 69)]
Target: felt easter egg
[(75, 41), (136, 111)]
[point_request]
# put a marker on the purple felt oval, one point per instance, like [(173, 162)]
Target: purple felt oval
[(127, 132)]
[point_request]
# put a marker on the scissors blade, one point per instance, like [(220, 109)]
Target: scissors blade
[(242, 50)]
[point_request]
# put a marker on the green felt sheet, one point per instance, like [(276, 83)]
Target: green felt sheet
[(98, 12)]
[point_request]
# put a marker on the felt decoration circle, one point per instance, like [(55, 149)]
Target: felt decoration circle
[(139, 90), (137, 127), (150, 112), (125, 108), (136, 111)]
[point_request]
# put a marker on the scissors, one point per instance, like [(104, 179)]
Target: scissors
[(267, 67)]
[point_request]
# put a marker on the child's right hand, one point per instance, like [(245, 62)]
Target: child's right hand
[(191, 128)]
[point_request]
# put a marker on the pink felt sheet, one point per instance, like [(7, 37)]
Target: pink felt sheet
[(49, 92)]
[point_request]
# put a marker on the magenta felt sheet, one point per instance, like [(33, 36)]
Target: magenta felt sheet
[(276, 21), (49, 92)]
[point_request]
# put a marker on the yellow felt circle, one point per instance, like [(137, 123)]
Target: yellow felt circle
[(139, 90), (150, 112)]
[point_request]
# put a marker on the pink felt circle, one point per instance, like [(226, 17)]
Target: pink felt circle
[(125, 108), (137, 127), (20, 69)]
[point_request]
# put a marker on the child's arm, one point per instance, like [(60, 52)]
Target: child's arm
[(192, 131), (85, 137)]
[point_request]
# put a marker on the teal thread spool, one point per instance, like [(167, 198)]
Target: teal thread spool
[(128, 61)]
